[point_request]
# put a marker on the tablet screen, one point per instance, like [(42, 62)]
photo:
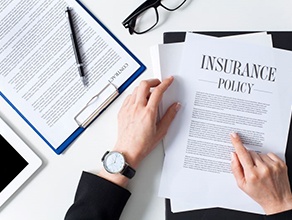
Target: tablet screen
[(16, 163)]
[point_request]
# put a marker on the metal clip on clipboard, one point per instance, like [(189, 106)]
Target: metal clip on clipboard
[(96, 104)]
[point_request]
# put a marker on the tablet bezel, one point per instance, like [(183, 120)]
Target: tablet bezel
[(33, 160)]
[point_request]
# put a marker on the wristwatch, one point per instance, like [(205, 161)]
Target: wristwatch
[(114, 162)]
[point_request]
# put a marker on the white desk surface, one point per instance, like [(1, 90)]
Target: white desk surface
[(50, 192)]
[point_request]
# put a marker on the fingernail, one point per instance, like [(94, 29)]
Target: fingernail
[(170, 78), (177, 107), (234, 135)]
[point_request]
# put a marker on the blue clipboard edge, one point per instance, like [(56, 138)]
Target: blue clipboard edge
[(121, 89)]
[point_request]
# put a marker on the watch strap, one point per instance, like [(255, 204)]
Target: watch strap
[(128, 171), (106, 153)]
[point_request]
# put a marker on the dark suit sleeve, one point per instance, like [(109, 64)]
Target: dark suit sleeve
[(97, 198), (287, 215)]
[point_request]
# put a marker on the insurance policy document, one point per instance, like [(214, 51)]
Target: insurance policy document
[(224, 87), (39, 75)]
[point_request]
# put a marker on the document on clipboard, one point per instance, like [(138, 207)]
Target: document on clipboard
[(39, 77)]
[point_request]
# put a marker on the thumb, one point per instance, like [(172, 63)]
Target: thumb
[(166, 120), (237, 170)]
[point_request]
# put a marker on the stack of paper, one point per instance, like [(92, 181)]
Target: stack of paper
[(234, 84)]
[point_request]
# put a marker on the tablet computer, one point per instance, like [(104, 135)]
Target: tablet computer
[(17, 162)]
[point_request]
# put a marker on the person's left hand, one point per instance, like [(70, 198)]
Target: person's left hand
[(138, 129)]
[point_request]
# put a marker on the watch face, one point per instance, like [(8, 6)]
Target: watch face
[(114, 162)]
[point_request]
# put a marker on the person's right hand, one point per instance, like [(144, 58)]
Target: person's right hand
[(263, 177)]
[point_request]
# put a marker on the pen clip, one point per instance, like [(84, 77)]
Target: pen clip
[(111, 92)]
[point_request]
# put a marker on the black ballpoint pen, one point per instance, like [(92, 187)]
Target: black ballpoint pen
[(74, 44)]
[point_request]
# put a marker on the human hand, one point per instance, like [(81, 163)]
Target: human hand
[(263, 177), (139, 130)]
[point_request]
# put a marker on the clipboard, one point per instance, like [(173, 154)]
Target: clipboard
[(83, 124), (281, 40), (101, 100)]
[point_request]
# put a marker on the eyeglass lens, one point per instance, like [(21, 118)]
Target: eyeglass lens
[(146, 20), (149, 18)]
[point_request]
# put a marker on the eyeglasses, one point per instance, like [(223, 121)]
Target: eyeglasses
[(145, 17)]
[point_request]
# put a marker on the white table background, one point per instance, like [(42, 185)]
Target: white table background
[(50, 192)]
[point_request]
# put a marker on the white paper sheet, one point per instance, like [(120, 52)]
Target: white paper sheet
[(188, 188)]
